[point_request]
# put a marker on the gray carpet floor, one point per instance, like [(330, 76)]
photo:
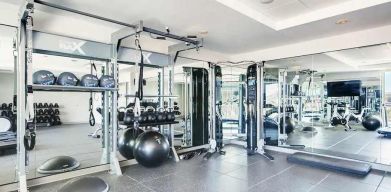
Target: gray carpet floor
[(236, 172)]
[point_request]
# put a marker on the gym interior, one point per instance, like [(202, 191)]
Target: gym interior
[(202, 95)]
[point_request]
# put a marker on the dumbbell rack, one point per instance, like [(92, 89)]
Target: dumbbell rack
[(47, 124)]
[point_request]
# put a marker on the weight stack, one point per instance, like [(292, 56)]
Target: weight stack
[(199, 106)]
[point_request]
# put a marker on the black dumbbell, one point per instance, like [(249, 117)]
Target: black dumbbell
[(52, 120), (50, 111), (51, 105), (4, 106), (56, 105), (56, 112), (39, 119), (4, 113), (45, 105), (10, 114), (10, 106), (57, 120)]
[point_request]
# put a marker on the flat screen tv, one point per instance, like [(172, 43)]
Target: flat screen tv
[(344, 88)]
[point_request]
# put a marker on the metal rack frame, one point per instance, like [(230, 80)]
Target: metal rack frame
[(24, 88)]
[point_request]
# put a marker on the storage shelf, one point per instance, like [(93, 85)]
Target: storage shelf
[(152, 124), (70, 88)]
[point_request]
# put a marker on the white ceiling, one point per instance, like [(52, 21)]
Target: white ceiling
[(229, 30), (362, 60)]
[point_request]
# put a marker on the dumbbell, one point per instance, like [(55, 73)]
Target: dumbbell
[(4, 113), (40, 112), (57, 120), (46, 119), (51, 105), (56, 105), (56, 112), (45, 105), (50, 111), (52, 120), (40, 105), (4, 106), (39, 119), (10, 106), (10, 114)]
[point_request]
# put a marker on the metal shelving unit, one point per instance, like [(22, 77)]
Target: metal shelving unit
[(70, 88)]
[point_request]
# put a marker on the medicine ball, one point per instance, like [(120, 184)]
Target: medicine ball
[(67, 79), (107, 81), (127, 142), (151, 149), (44, 77), (289, 124), (371, 122), (89, 81)]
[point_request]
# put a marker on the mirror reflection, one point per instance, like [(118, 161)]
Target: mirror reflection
[(337, 102)]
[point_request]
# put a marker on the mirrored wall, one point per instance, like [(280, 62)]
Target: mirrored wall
[(336, 102)]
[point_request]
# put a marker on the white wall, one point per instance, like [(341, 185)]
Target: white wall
[(7, 87)]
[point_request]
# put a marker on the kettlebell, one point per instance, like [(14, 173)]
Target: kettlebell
[(161, 115), (129, 116), (170, 114), (151, 116)]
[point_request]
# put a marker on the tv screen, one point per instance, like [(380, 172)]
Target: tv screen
[(344, 88)]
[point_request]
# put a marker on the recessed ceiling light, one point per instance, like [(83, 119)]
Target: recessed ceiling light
[(266, 1), (204, 32), (342, 21)]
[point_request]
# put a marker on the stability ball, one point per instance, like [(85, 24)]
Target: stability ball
[(151, 149), (127, 142), (371, 122), (289, 124)]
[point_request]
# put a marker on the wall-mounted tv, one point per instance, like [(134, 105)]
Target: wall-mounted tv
[(344, 88)]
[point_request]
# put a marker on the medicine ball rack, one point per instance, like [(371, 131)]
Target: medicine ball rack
[(28, 42)]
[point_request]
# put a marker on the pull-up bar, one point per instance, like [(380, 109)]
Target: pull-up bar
[(144, 29)]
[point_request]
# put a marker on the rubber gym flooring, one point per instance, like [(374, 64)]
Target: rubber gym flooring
[(236, 172), (360, 142)]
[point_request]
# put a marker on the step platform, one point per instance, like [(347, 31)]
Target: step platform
[(385, 131), (330, 163)]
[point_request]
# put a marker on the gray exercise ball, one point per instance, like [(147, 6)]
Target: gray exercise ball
[(371, 122), (151, 149)]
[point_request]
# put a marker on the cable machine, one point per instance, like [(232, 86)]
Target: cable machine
[(23, 99), (255, 119)]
